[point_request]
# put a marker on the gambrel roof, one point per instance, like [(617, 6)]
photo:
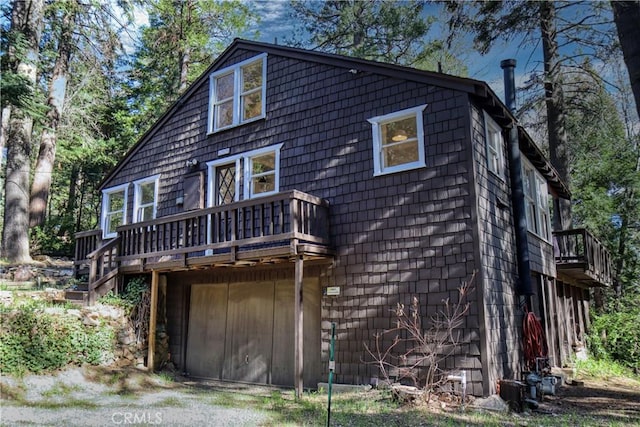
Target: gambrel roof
[(478, 90)]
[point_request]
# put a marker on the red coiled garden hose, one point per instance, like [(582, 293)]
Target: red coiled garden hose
[(534, 342)]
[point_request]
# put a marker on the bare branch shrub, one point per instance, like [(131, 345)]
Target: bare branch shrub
[(417, 350)]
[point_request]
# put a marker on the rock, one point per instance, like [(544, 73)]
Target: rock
[(126, 338), (74, 312), (6, 297), (91, 319), (54, 310), (90, 322), (54, 294), (405, 393), (23, 273), (492, 403)]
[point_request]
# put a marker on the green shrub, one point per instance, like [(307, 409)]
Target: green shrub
[(130, 298), (615, 335), (51, 240), (36, 341)]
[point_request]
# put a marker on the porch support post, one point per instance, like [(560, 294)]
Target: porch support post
[(552, 338), (153, 311), (298, 322)]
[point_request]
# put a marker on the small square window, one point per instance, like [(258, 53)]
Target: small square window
[(398, 141)]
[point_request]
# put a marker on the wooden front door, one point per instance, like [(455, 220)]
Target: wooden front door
[(243, 331)]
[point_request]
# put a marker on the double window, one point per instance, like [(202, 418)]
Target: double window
[(145, 198), (237, 94), (495, 144), (536, 200), (252, 174), (114, 209), (398, 141)]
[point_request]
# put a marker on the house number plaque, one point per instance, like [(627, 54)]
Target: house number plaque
[(332, 291)]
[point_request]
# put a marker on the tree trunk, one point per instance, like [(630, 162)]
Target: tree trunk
[(4, 131), (554, 99), (41, 186), (626, 15), (26, 19), (70, 209), (186, 21)]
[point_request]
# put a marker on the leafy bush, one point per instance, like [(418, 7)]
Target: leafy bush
[(36, 341), (49, 240), (131, 297), (615, 335)]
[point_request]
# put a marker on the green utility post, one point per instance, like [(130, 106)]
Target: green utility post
[(332, 367)]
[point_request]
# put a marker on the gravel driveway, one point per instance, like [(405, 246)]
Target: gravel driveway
[(78, 397)]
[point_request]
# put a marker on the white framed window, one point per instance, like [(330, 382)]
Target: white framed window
[(145, 198), (536, 196), (244, 176), (398, 141), (495, 146), (237, 94), (114, 209)]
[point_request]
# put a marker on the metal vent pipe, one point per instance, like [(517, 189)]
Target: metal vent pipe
[(517, 188)]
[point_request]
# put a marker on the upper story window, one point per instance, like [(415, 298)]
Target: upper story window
[(494, 142), (114, 209), (536, 199), (237, 94), (398, 141), (145, 198)]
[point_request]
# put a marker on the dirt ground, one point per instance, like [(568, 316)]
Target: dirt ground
[(98, 396), (616, 399)]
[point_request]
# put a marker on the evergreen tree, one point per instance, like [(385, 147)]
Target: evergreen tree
[(22, 58), (379, 30), (607, 182), (180, 42), (582, 29)]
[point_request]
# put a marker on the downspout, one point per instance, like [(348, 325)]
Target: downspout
[(517, 188)]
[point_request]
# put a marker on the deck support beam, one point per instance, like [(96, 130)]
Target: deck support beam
[(153, 312), (299, 328)]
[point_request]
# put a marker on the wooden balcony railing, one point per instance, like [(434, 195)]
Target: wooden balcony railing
[(580, 255), (274, 224)]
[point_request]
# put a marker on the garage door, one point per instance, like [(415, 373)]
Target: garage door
[(245, 332)]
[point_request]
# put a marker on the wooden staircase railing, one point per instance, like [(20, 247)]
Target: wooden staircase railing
[(86, 243), (103, 269)]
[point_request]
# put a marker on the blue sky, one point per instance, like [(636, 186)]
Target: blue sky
[(275, 23)]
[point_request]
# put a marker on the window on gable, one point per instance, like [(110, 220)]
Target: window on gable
[(114, 209), (494, 143), (145, 198), (237, 94), (398, 141), (536, 200)]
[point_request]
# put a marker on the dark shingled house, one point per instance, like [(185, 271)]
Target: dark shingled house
[(283, 173)]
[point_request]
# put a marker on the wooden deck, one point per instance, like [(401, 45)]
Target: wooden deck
[(580, 256), (265, 230)]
